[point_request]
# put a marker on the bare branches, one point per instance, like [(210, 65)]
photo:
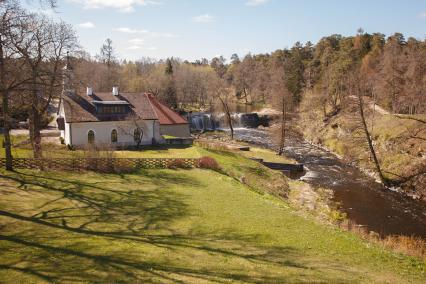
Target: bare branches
[(411, 118), (35, 47)]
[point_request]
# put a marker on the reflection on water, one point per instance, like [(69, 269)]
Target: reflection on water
[(365, 201)]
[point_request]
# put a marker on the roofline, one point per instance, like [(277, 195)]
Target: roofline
[(109, 120), (165, 114), (174, 123)]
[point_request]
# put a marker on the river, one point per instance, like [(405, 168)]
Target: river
[(365, 201)]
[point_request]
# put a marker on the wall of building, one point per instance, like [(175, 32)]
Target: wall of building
[(65, 134), (77, 133), (176, 130)]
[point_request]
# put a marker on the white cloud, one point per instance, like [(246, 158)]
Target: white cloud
[(137, 41), (86, 25), (125, 6), (166, 35), (206, 18), (256, 2), (127, 30), (134, 47), (130, 31), (422, 15), (137, 47)]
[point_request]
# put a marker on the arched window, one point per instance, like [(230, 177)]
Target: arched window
[(91, 137), (114, 137), (137, 135)]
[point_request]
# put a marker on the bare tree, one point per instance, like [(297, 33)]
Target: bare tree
[(11, 66), (107, 56), (223, 94), (138, 130), (282, 99), (359, 88), (42, 44), (7, 10)]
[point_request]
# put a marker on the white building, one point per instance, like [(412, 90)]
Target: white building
[(115, 119)]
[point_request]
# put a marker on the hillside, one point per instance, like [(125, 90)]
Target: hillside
[(176, 226), (399, 140)]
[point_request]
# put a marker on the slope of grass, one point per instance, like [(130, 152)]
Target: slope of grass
[(170, 226), (256, 176)]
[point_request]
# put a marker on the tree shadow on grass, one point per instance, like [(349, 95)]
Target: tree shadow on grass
[(89, 232), (124, 266), (79, 206)]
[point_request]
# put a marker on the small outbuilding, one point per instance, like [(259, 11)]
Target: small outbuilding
[(171, 123)]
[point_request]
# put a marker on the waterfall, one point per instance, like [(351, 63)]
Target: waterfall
[(201, 122), (206, 121)]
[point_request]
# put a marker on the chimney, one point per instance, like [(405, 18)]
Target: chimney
[(115, 91), (89, 91)]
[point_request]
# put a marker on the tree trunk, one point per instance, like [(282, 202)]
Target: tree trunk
[(283, 125), (35, 135), (5, 106), (228, 117), (34, 121), (6, 120), (245, 95), (230, 124), (369, 141)]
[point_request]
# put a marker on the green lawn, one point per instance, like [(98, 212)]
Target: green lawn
[(51, 150), (173, 226)]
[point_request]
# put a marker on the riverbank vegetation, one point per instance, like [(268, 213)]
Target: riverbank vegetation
[(399, 143)]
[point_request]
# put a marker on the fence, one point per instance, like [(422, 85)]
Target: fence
[(100, 164)]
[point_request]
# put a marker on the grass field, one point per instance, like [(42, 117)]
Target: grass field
[(173, 226), (178, 226)]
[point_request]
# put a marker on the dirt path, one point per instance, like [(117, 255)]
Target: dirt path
[(377, 108)]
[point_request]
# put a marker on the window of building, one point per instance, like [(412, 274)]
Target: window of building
[(91, 137), (112, 109), (137, 135), (114, 136)]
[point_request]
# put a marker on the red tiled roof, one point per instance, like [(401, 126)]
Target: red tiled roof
[(166, 116), (80, 108)]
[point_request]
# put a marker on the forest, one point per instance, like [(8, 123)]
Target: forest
[(393, 68)]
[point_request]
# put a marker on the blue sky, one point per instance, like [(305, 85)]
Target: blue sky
[(192, 29)]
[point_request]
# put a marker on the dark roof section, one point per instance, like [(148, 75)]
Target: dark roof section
[(80, 108), (166, 116)]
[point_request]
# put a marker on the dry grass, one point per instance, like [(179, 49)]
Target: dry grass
[(413, 246)]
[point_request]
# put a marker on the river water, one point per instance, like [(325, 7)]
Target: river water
[(364, 200)]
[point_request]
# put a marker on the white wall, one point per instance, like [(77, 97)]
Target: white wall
[(177, 130), (65, 133), (102, 130)]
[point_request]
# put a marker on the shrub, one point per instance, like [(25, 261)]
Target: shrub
[(177, 164), (208, 163), (62, 140)]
